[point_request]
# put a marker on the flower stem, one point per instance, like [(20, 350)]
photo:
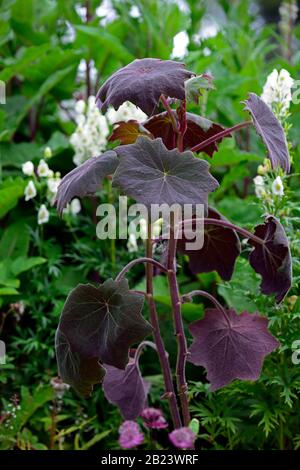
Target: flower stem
[(162, 353), (132, 263), (178, 324), (220, 135)]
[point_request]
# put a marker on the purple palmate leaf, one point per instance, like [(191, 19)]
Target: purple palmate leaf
[(198, 130), (219, 252), (86, 178), (270, 130), (142, 82), (126, 388), (272, 260), (170, 176), (230, 346), (104, 321), (75, 369)]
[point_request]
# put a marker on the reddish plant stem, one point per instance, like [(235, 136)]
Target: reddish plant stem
[(226, 224), (182, 125), (162, 353), (220, 135), (148, 260), (189, 297), (178, 324), (170, 112)]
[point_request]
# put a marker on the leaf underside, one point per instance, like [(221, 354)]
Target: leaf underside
[(126, 389), (272, 260), (270, 130), (230, 349)]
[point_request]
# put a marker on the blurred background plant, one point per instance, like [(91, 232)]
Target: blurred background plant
[(53, 56)]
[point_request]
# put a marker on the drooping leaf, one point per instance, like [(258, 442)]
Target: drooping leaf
[(272, 260), (86, 178), (104, 321), (128, 132), (195, 85), (220, 249), (198, 130), (231, 347), (142, 82), (79, 371), (127, 389), (169, 176), (270, 130)]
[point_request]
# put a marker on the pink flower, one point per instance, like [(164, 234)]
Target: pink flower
[(153, 418), (182, 438), (130, 435)]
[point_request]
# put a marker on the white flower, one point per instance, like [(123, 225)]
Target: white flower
[(132, 244), (75, 206), (43, 215), (47, 152), (28, 168), (259, 186), (30, 191), (43, 169), (80, 107), (277, 187), (277, 90), (125, 112)]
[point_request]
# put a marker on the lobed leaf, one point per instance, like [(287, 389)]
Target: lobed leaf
[(86, 178), (126, 389), (81, 372), (272, 260), (230, 347), (142, 82), (220, 249), (128, 132), (198, 130), (170, 176), (104, 321), (270, 130)]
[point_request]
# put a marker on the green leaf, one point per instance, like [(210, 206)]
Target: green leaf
[(10, 192), (14, 241), (196, 85), (14, 155), (8, 291), (106, 41), (25, 58), (22, 264)]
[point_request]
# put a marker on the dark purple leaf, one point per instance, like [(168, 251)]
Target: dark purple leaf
[(168, 176), (198, 130), (76, 370), (272, 260), (126, 389), (219, 252), (270, 130), (86, 178), (231, 347), (104, 321), (128, 132), (142, 82)]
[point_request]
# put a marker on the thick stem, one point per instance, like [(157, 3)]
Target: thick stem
[(178, 324), (171, 115), (162, 353), (132, 263), (220, 135)]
